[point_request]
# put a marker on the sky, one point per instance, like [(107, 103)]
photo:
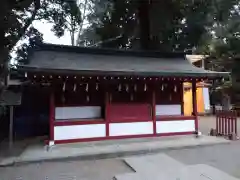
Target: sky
[(48, 35)]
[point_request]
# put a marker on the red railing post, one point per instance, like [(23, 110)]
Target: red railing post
[(228, 123), (220, 122), (232, 124), (225, 122), (235, 119)]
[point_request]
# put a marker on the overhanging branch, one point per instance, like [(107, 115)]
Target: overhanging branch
[(27, 24)]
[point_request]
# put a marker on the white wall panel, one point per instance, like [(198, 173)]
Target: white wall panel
[(77, 112), (175, 126), (173, 109), (79, 131), (206, 99), (134, 128)]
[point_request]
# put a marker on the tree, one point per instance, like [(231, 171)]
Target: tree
[(162, 25), (223, 49), (86, 7), (108, 21), (222, 44), (66, 17), (34, 38), (16, 24)]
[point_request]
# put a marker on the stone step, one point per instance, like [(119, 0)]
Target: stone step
[(153, 163)]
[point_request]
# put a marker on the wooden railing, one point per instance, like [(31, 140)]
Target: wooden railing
[(226, 122)]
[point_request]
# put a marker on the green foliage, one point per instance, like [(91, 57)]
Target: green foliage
[(16, 24), (65, 15), (224, 45), (110, 19), (174, 25), (34, 38), (223, 48), (17, 18)]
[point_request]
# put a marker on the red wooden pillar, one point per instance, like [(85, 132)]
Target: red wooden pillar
[(182, 97), (194, 103), (106, 113), (51, 118), (154, 112)]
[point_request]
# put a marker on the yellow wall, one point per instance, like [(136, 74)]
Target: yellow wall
[(187, 98), (200, 100)]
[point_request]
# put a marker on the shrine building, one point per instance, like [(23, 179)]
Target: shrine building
[(100, 94)]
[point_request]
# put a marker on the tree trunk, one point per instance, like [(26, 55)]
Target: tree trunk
[(226, 102), (144, 24), (83, 18), (72, 38)]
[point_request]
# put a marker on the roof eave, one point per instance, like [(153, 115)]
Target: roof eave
[(212, 75)]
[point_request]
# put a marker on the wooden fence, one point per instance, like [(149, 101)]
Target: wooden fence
[(226, 122)]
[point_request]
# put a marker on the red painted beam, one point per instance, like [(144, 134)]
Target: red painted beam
[(79, 122)]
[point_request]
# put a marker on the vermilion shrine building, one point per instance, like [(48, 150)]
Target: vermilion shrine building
[(100, 94)]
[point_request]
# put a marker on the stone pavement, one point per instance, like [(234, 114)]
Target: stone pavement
[(225, 157), (103, 169), (153, 163), (161, 166), (108, 149)]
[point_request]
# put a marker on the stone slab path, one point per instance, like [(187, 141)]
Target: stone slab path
[(153, 163), (163, 167)]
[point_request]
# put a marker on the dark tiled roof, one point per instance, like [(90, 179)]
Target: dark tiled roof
[(65, 59)]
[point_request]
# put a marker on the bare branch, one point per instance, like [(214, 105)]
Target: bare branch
[(105, 41), (83, 18)]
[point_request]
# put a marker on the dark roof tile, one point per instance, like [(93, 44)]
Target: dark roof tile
[(65, 59)]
